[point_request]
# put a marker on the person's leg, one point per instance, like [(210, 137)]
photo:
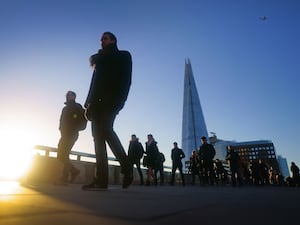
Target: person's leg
[(155, 176), (117, 148), (181, 174), (138, 166), (201, 175), (63, 157), (101, 162), (233, 176), (64, 147), (205, 173), (162, 177), (101, 180), (211, 173), (74, 172), (150, 175), (72, 169), (172, 181), (193, 176)]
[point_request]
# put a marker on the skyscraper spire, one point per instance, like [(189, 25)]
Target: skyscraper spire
[(193, 123)]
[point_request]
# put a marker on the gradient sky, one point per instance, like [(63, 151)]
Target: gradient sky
[(246, 69)]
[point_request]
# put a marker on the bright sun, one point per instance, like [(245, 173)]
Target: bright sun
[(16, 145)]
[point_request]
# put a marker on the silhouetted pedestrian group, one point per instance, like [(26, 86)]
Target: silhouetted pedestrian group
[(234, 171)]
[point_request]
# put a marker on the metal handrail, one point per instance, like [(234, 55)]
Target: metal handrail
[(78, 155)]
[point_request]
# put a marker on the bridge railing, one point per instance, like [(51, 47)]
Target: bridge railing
[(79, 156), (75, 155)]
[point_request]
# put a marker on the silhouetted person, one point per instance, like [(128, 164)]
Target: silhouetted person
[(70, 124), (194, 166), (160, 168), (153, 159), (135, 153), (207, 152), (255, 172), (246, 173), (221, 173), (177, 155), (107, 95), (280, 179), (295, 174), (272, 176), (263, 175), (203, 178), (234, 163)]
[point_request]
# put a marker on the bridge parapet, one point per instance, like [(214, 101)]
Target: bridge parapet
[(46, 168)]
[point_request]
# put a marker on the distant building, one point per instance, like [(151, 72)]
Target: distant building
[(193, 123), (255, 150), (283, 166), (251, 151)]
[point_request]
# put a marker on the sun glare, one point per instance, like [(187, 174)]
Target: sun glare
[(15, 152), (8, 187)]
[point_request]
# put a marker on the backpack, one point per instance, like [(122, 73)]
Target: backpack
[(80, 119), (162, 157)]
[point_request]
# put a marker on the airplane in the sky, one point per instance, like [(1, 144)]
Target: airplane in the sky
[(263, 18)]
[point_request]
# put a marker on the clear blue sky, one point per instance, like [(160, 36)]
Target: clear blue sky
[(246, 69)]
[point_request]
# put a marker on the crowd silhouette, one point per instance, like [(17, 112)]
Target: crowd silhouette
[(204, 170), (233, 171)]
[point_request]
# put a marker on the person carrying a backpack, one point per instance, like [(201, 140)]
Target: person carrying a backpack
[(71, 121)]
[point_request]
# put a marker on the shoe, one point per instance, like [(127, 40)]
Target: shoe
[(94, 186), (74, 174), (128, 178)]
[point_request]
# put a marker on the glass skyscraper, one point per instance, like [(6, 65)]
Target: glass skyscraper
[(283, 165), (193, 123)]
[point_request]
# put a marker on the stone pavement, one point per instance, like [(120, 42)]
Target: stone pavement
[(38, 204)]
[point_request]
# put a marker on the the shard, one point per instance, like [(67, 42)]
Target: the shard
[(193, 123)]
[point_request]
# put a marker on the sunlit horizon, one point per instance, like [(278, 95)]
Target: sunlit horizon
[(8, 187), (16, 153)]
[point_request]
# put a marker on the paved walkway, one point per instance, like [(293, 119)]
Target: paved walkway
[(140, 205)]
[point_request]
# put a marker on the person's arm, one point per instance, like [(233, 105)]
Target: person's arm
[(182, 154)]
